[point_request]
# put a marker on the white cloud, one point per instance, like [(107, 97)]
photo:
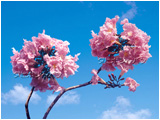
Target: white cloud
[(121, 101), (18, 95), (133, 4), (68, 98), (122, 110), (131, 12)]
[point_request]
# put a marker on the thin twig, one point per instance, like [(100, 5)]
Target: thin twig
[(99, 70), (26, 105), (65, 90), (71, 88)]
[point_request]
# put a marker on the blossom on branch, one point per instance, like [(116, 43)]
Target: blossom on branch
[(44, 59), (69, 66), (105, 38), (132, 84), (120, 50)]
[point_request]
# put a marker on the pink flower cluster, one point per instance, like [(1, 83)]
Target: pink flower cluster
[(106, 38), (132, 84), (60, 64), (121, 51)]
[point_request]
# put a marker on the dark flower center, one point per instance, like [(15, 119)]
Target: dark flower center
[(40, 61), (115, 48)]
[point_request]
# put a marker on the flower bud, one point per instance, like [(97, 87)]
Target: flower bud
[(110, 77), (122, 79), (119, 77), (113, 76)]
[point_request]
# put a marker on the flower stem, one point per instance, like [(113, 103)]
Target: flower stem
[(65, 90), (71, 88), (57, 98), (26, 105)]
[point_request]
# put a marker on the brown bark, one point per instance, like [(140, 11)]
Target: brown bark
[(65, 90), (27, 102)]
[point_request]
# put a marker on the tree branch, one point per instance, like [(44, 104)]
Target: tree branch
[(71, 88), (26, 105), (65, 90)]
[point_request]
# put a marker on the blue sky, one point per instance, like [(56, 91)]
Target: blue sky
[(73, 21)]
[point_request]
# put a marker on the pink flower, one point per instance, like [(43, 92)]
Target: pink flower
[(108, 66), (61, 47), (143, 55), (54, 85), (110, 25), (69, 66), (134, 55), (62, 66), (22, 62), (43, 41), (30, 49), (124, 67), (21, 67), (95, 78), (126, 59), (124, 21), (19, 64), (123, 70), (55, 64), (15, 57), (105, 38), (40, 84), (131, 83), (135, 36), (36, 72), (101, 43)]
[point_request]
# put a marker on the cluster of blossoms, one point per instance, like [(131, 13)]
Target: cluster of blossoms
[(44, 59), (120, 50)]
